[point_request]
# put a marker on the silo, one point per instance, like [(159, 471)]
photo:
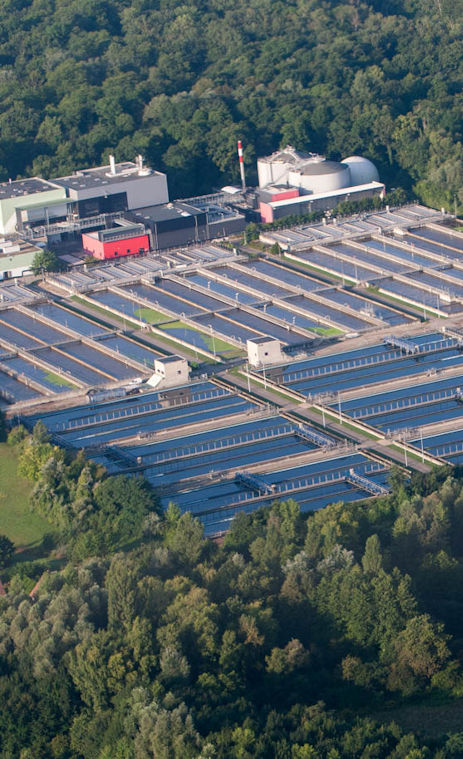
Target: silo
[(274, 169)]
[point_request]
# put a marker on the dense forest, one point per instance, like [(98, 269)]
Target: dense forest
[(181, 80), (301, 637)]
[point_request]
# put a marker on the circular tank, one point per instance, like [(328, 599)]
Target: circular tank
[(321, 176), (362, 171)]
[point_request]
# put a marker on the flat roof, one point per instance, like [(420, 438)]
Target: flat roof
[(119, 232), (168, 211), (331, 194), (170, 359), (24, 187), (25, 246), (278, 187), (101, 175), (263, 339), (322, 167)]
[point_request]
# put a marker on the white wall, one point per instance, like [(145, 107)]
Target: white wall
[(172, 373), (141, 191), (265, 353), (272, 173), (316, 183)]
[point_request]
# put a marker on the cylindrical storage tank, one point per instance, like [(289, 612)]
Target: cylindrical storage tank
[(273, 171), (321, 176), (362, 170)]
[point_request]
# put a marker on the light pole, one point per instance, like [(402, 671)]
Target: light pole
[(213, 339)]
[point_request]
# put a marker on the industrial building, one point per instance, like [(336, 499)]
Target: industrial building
[(293, 182), (124, 239), (36, 207), (16, 258), (29, 201), (264, 350), (185, 222), (113, 188), (95, 202), (170, 371)]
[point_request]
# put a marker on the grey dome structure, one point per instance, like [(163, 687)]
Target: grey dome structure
[(362, 170)]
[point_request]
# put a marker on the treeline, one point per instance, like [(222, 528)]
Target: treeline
[(89, 513), (278, 643), (180, 81)]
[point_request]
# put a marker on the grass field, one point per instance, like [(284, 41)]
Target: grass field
[(221, 346), (327, 331), (58, 380), (100, 310), (175, 347), (151, 316), (16, 521)]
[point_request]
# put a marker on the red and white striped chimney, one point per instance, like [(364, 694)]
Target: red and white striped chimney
[(240, 157)]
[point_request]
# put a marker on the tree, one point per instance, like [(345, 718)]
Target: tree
[(121, 504), (46, 260), (3, 430), (186, 539), (372, 560), (421, 652), (6, 551)]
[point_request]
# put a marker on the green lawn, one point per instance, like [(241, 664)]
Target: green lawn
[(175, 346), (100, 310), (16, 521), (178, 324), (410, 455), (58, 380), (151, 316), (221, 346), (327, 331)]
